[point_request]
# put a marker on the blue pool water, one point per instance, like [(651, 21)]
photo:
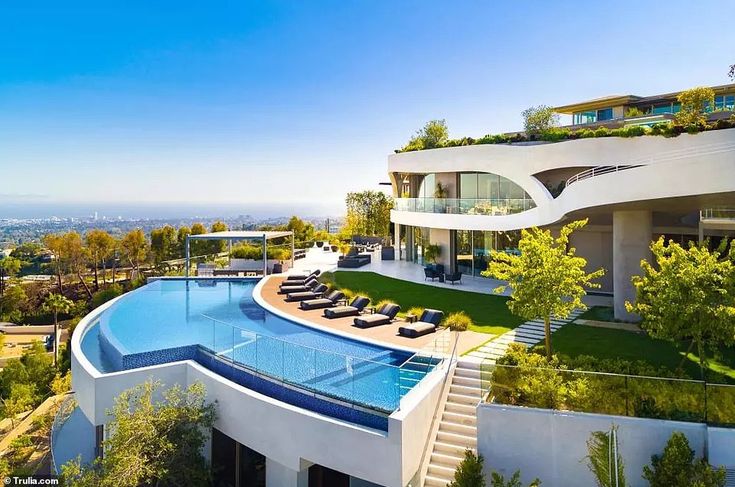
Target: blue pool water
[(169, 320)]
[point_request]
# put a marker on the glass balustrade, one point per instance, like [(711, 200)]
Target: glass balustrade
[(465, 206)]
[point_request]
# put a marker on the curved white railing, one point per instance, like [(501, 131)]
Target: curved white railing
[(663, 157)]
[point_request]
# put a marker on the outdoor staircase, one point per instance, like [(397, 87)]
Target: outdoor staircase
[(458, 425)]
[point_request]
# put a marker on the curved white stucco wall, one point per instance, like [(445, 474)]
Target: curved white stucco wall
[(282, 432), (684, 166)]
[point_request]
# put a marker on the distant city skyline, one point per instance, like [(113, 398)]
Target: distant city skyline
[(267, 105)]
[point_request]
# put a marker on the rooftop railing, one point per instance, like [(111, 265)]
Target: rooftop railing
[(366, 383), (465, 206), (666, 156), (717, 214)]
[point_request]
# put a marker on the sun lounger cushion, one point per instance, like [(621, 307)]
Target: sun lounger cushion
[(385, 315), (354, 309), (433, 316), (327, 302), (304, 295), (302, 277), (310, 285), (413, 330)]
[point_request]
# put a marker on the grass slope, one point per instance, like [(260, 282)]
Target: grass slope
[(489, 312), (574, 340)]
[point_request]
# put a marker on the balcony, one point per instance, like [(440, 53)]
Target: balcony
[(465, 206)]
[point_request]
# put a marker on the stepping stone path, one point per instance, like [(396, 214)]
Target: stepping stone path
[(529, 333)]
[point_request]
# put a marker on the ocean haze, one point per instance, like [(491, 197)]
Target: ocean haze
[(20, 209)]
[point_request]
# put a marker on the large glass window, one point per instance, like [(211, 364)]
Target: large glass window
[(427, 187), (468, 185), (725, 102), (463, 248), (475, 248), (604, 114), (421, 238)]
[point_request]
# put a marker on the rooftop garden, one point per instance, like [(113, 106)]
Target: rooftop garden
[(542, 124)]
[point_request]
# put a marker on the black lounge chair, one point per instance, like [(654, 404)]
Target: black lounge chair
[(308, 286), (315, 293), (354, 309), (385, 315), (453, 277), (434, 271), (326, 302), (428, 323), (303, 277)]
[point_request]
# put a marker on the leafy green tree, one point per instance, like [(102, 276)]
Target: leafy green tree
[(55, 243), (101, 297), (163, 243), (152, 442), (547, 277), (12, 302), (368, 213), (539, 119), (198, 247), (134, 248), (21, 399), (731, 74), (688, 294), (694, 104), (101, 247), (217, 246), (181, 235), (77, 256), (678, 468), (55, 304), (604, 459), (434, 134), (469, 471), (302, 231), (9, 266)]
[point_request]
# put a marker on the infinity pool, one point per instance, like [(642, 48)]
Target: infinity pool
[(168, 320)]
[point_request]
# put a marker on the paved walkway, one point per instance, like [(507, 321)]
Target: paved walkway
[(529, 333)]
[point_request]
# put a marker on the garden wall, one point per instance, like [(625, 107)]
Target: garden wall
[(551, 445)]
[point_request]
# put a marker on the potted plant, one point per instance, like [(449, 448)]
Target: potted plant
[(431, 253)]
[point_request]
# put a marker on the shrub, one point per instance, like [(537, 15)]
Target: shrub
[(383, 302), (677, 467), (554, 134), (632, 131), (415, 310), (469, 471), (602, 132), (349, 293), (539, 119), (102, 296), (498, 480), (599, 458), (586, 133), (432, 252), (694, 103), (458, 321)]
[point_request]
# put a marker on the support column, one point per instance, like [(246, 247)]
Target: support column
[(265, 255), (631, 240), (277, 475), (397, 242)]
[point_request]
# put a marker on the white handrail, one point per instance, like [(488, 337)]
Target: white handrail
[(663, 157)]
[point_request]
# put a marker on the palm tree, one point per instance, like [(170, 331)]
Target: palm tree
[(56, 303)]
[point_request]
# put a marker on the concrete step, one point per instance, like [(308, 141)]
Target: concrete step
[(450, 448), (441, 471), (467, 365), (457, 439), (517, 339), (460, 418), (445, 459), (472, 373), (467, 381), (466, 390), (431, 481), (460, 429), (469, 409), (469, 400)]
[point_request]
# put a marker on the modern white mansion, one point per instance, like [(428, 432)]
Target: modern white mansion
[(303, 405), (632, 190)]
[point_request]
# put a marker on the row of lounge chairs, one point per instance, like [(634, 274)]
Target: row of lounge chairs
[(311, 295)]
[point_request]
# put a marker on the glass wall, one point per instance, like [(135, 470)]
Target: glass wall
[(489, 186), (591, 116), (427, 186), (474, 248), (725, 102), (235, 465), (418, 243)]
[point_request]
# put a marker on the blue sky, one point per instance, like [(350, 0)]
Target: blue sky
[(245, 102)]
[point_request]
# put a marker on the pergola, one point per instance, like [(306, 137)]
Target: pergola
[(235, 236)]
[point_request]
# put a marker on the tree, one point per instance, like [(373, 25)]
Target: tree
[(678, 468), (547, 278), (21, 399), (368, 213), (77, 256), (11, 303), (302, 231), (163, 243), (198, 247), (152, 442), (134, 248), (434, 134), (694, 104), (55, 243), (539, 119), (498, 480), (604, 459), (101, 247), (731, 74), (181, 235), (55, 304), (469, 471), (9, 266), (688, 294), (217, 246)]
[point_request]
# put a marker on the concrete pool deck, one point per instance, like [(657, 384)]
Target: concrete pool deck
[(385, 334)]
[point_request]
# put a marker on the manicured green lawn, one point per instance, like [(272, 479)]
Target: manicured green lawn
[(574, 340), (599, 313), (489, 312)]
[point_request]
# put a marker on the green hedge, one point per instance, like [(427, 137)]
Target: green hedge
[(666, 129), (256, 252)]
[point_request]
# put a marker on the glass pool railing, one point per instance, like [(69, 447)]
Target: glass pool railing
[(465, 206), (367, 383)]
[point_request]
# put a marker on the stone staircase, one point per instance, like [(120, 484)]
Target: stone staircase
[(458, 425)]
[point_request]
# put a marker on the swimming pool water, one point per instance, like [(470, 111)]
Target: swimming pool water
[(222, 318)]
